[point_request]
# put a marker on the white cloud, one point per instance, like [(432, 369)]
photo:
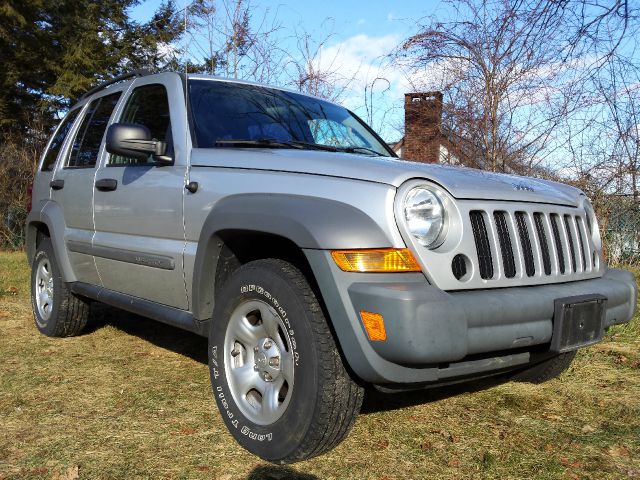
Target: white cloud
[(363, 62)]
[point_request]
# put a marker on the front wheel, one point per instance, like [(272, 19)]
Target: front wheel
[(546, 370), (276, 372)]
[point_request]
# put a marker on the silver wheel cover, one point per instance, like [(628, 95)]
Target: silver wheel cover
[(43, 291), (259, 364)]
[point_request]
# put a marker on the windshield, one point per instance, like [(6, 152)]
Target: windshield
[(227, 114)]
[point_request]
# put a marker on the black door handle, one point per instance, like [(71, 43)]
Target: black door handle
[(106, 184), (57, 184)]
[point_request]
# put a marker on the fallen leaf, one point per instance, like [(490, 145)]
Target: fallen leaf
[(453, 462), (72, 473), (12, 291), (548, 447), (588, 429), (618, 451), (4, 314), (426, 445), (188, 431), (382, 444)]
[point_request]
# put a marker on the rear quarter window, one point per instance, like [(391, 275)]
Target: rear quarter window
[(57, 141)]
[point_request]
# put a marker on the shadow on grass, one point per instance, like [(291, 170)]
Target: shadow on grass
[(376, 401), (274, 472), (195, 347), (165, 336)]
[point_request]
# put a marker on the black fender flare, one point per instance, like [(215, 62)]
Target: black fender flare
[(52, 216), (308, 222)]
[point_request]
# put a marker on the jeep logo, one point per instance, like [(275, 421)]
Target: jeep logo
[(523, 187)]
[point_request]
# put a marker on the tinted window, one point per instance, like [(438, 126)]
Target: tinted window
[(227, 111), (58, 139), (85, 148), (148, 105)]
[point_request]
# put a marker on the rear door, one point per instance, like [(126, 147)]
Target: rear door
[(72, 183), (139, 239)]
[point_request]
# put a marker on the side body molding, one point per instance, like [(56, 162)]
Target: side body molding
[(309, 222), (51, 215)]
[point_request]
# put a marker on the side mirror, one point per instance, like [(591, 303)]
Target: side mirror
[(134, 141)]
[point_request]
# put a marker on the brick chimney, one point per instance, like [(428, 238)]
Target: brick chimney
[(422, 122)]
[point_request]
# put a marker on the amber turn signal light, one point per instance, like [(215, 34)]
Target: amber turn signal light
[(376, 260), (374, 325)]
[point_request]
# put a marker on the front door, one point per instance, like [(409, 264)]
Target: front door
[(139, 239)]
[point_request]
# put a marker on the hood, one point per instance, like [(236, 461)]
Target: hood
[(461, 182)]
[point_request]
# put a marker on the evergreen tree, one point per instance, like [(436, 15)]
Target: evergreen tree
[(52, 51)]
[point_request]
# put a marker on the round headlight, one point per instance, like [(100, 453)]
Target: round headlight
[(425, 215)]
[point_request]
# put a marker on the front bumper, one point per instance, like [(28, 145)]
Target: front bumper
[(433, 335)]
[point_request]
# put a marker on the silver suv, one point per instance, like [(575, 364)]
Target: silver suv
[(282, 227)]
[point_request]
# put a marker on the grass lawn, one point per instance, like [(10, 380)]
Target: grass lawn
[(131, 398)]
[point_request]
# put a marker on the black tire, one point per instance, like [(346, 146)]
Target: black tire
[(546, 370), (66, 314), (324, 400)]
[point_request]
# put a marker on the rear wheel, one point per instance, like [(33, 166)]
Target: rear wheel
[(276, 372), (57, 311), (546, 370)]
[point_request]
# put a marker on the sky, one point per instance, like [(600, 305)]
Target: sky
[(362, 33)]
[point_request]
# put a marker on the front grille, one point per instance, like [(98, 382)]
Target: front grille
[(483, 249), (531, 243)]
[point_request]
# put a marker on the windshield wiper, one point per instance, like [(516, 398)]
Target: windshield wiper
[(273, 143), (355, 149), (261, 143)]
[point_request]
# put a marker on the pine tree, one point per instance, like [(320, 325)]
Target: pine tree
[(52, 51)]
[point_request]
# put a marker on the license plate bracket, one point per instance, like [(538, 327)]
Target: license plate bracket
[(578, 321)]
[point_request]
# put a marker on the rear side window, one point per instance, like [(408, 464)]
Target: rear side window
[(148, 105), (58, 139), (86, 145)]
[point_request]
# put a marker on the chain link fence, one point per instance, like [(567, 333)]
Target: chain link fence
[(619, 217)]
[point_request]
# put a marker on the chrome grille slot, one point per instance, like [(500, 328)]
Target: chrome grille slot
[(572, 251), (525, 243), (542, 240), (555, 220), (581, 242), (483, 248), (506, 248)]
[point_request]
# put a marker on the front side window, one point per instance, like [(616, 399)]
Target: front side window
[(233, 114), (148, 105), (58, 139), (86, 145)]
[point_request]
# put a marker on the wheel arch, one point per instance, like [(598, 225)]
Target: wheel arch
[(49, 222), (278, 226)]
